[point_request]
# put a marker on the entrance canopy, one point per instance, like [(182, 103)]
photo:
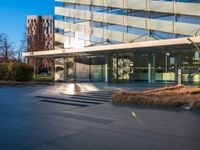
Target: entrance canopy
[(178, 43)]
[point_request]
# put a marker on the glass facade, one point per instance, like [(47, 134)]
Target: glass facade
[(87, 23), (81, 69), (155, 66), (152, 66)]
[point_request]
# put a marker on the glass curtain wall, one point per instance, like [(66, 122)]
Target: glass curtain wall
[(80, 69), (155, 66), (152, 66)]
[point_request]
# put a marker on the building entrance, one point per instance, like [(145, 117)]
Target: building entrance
[(151, 66), (121, 68)]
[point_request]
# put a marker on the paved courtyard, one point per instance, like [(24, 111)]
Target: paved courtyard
[(80, 116)]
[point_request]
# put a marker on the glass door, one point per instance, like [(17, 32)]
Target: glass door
[(121, 68)]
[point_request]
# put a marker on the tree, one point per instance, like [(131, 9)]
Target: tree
[(23, 45), (6, 47)]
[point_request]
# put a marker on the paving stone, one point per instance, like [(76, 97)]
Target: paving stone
[(27, 123), (44, 147)]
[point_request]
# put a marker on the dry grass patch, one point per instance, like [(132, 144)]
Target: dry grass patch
[(174, 96)]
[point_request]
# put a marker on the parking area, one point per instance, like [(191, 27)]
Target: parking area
[(68, 116)]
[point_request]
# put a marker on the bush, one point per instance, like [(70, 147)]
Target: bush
[(16, 71), (23, 72), (4, 71), (10, 67)]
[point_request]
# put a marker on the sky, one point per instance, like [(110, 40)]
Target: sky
[(13, 15)]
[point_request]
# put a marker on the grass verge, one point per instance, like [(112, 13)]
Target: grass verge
[(47, 78)]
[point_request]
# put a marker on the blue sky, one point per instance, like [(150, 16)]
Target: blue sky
[(13, 15)]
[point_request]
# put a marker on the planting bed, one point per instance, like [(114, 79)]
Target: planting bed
[(174, 96)]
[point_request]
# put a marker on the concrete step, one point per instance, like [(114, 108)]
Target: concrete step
[(65, 103), (69, 99)]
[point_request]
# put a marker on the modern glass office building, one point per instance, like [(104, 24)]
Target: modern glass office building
[(126, 40)]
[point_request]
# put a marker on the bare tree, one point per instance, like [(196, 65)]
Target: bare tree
[(23, 46), (6, 47)]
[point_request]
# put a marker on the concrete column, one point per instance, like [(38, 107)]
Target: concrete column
[(90, 70), (53, 68), (151, 68), (106, 70), (65, 69), (74, 71), (179, 76), (177, 59)]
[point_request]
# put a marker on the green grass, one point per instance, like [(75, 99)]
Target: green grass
[(43, 78)]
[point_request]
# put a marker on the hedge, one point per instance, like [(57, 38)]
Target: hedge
[(16, 71), (4, 71)]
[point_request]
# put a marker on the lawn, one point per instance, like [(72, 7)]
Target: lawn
[(43, 78)]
